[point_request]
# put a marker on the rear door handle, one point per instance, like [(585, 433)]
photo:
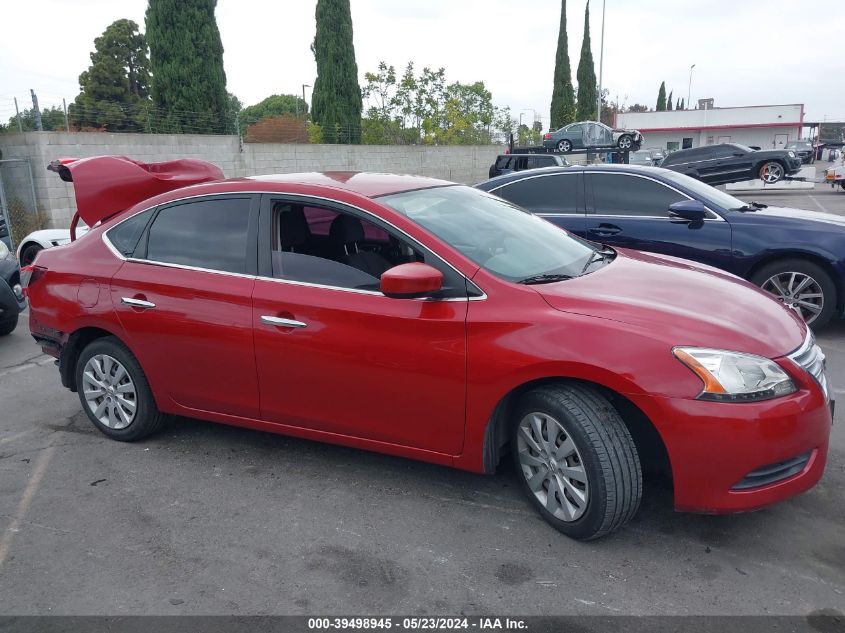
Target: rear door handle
[(137, 303), (280, 322), (605, 229)]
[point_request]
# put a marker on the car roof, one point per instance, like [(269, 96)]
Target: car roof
[(624, 169), (370, 184)]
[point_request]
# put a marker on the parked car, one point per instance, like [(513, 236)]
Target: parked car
[(4, 232), (797, 256), (462, 328), (730, 162), (641, 157), (803, 150), (507, 163), (37, 241), (12, 301), (591, 134), (657, 155)]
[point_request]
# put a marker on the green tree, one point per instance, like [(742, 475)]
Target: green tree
[(638, 107), (186, 58), (587, 88), (563, 94), (683, 105), (274, 105), (661, 97), (115, 88), (336, 101), (52, 119), (669, 101)]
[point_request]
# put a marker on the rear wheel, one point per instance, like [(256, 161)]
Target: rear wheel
[(576, 460), (771, 172), (114, 391), (8, 326), (564, 146), (801, 285), (625, 142), (29, 252)]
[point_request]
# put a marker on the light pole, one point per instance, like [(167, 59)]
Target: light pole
[(601, 61), (304, 86), (689, 89)]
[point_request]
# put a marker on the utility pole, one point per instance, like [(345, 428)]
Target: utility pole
[(35, 111), (304, 86), (18, 114), (64, 107), (601, 60), (689, 89)]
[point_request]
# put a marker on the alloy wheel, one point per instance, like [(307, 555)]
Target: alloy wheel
[(564, 146), (625, 142), (771, 173), (798, 291), (109, 391), (552, 466)]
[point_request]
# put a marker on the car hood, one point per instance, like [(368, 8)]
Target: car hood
[(802, 215), (681, 303)]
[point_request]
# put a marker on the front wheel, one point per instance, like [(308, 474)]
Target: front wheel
[(576, 460), (8, 326), (801, 285), (625, 142), (771, 172), (114, 391), (564, 146)]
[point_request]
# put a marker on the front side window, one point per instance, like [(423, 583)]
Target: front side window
[(496, 235), (328, 247), (543, 194), (621, 194), (210, 233)]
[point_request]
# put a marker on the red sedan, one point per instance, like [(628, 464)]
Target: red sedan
[(430, 320)]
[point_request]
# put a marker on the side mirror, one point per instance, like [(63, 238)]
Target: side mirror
[(411, 281), (692, 210)]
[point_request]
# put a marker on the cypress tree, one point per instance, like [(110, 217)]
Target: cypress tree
[(186, 57), (587, 88), (669, 102), (563, 94), (661, 97), (336, 101), (683, 105)]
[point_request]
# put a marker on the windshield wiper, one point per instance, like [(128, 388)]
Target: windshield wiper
[(546, 278), (598, 255)]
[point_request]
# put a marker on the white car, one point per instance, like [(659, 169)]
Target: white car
[(37, 241)]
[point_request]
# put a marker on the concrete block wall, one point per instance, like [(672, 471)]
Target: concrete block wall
[(464, 164)]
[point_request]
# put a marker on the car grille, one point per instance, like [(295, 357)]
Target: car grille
[(812, 359), (773, 473)]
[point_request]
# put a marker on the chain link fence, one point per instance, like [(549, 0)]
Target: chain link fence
[(19, 213)]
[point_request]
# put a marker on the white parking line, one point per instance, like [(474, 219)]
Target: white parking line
[(818, 204), (12, 438), (26, 501)]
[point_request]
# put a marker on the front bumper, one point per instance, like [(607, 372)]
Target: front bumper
[(737, 457), (794, 165)]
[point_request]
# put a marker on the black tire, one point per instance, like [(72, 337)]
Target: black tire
[(148, 419), (625, 142), (819, 274), (564, 146), (8, 325), (29, 252), (605, 450)]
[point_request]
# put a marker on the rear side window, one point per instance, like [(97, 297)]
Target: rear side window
[(124, 237), (501, 162), (209, 233), (544, 161), (620, 194), (543, 194)]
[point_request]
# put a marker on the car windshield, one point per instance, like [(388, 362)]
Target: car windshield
[(502, 238), (708, 194), (798, 145), (744, 148)]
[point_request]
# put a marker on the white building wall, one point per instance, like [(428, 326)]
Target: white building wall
[(766, 127)]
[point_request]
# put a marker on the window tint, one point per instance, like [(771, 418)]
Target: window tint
[(620, 194), (209, 233), (544, 161), (544, 194), (723, 151), (501, 161), (125, 235), (324, 246)]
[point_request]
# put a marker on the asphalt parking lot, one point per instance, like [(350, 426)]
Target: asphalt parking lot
[(207, 519)]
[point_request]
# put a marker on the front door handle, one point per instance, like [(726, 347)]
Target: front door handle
[(280, 322), (605, 230), (137, 303)]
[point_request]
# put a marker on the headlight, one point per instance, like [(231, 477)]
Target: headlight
[(4, 250), (735, 377), (792, 154)]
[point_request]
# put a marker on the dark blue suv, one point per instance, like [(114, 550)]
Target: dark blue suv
[(798, 256)]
